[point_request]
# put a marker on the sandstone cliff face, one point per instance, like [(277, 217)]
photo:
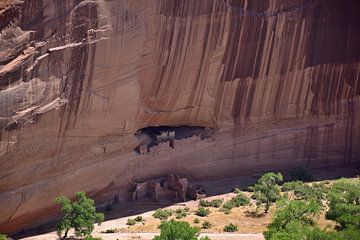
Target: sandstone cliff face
[(278, 80)]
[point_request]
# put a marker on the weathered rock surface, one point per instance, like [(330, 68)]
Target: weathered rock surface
[(277, 79)]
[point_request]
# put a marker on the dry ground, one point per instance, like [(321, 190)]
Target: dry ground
[(249, 227)]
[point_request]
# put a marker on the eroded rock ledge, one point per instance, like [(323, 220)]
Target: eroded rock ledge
[(277, 80)]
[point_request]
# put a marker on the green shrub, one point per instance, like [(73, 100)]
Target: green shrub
[(206, 225), (230, 228), (226, 210), (112, 230), (162, 214), (181, 213), (196, 220), (290, 186), (344, 203), (303, 191), (229, 204), (92, 238), (139, 219), (131, 222), (3, 237), (301, 174), (202, 212), (214, 203), (240, 200), (315, 191), (177, 230), (205, 238), (237, 190)]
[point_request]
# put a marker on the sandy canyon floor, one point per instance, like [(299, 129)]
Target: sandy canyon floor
[(250, 227)]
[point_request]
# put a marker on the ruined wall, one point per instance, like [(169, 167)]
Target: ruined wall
[(279, 80)]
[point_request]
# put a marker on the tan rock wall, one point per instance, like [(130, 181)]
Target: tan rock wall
[(279, 80)]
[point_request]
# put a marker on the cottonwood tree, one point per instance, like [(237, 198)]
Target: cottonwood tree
[(79, 214), (293, 219), (178, 230), (344, 203), (267, 189)]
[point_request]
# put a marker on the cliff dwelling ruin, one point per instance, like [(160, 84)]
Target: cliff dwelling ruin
[(154, 139), (169, 188)]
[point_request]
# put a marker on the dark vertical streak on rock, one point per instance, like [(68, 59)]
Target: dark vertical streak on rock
[(84, 19)]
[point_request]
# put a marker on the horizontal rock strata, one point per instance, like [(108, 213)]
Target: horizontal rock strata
[(277, 79)]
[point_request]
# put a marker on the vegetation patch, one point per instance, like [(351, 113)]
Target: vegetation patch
[(206, 225), (267, 189), (202, 212), (216, 203), (79, 214), (172, 230), (112, 230), (162, 214), (230, 228)]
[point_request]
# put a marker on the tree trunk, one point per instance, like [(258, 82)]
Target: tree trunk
[(66, 233)]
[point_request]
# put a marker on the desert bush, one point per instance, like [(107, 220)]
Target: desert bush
[(162, 214), (230, 228), (177, 230), (131, 222), (112, 230), (206, 225), (196, 220), (202, 212), (205, 238), (92, 238), (240, 200), (214, 203), (139, 219), (181, 213), (237, 190), (290, 186), (301, 174)]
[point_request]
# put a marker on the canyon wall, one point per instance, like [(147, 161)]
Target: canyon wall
[(277, 79)]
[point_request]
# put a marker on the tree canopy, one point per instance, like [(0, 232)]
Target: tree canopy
[(267, 189), (79, 214)]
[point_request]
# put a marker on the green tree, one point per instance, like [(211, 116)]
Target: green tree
[(304, 191), (344, 203), (267, 189), (172, 230), (293, 220), (79, 214)]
